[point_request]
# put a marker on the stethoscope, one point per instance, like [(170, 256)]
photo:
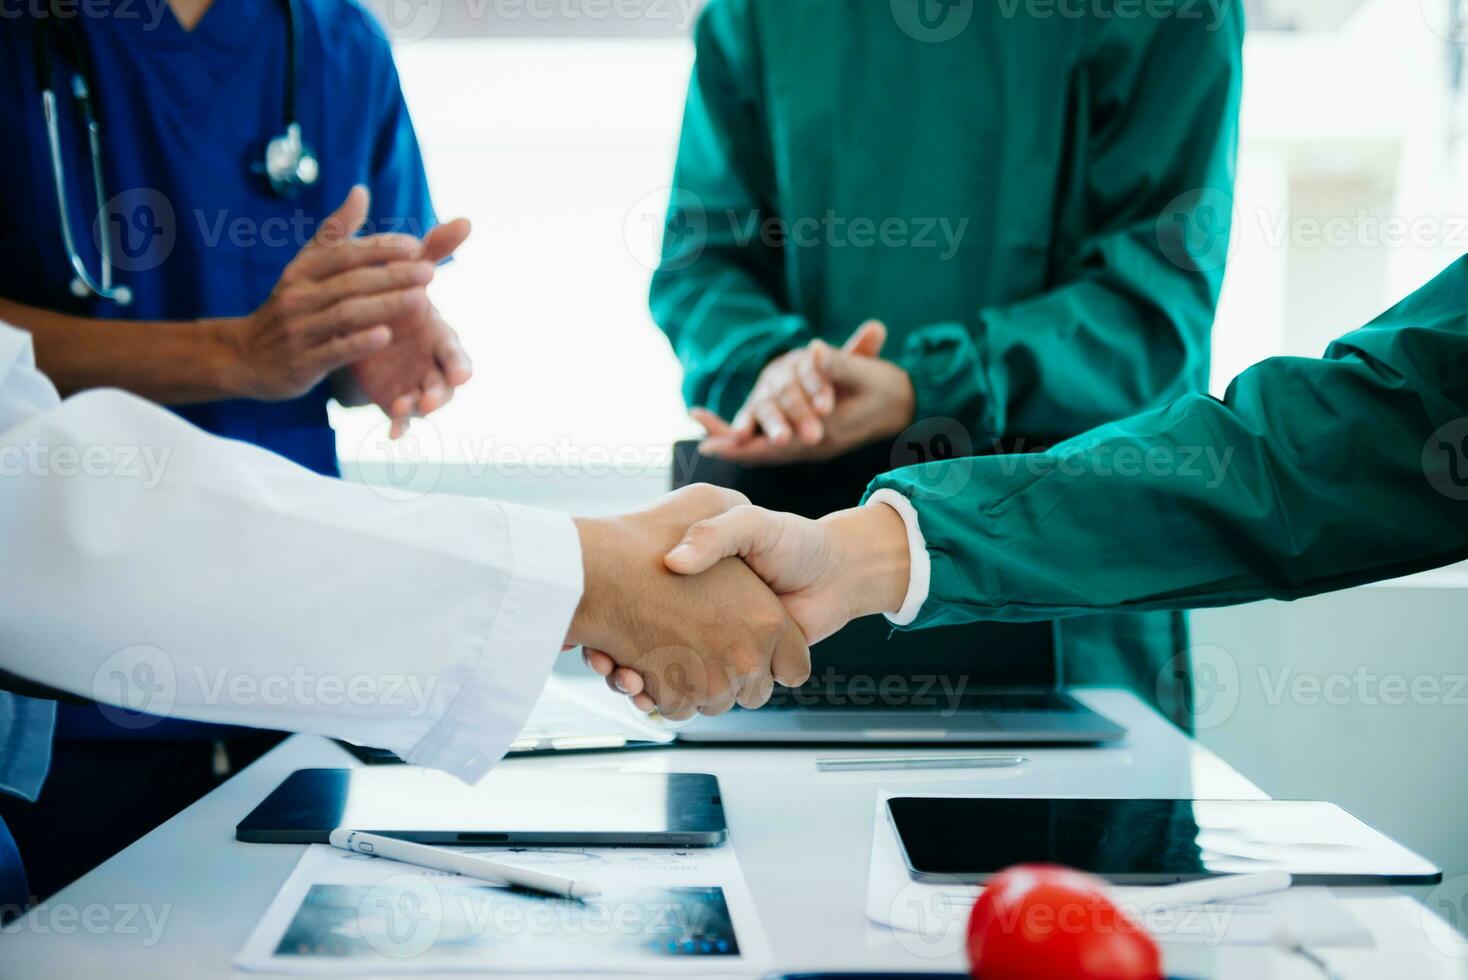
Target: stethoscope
[(290, 165)]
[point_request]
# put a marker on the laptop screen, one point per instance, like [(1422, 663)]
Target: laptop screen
[(870, 652)]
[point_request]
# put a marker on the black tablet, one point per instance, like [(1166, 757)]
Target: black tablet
[(542, 808), (1149, 842)]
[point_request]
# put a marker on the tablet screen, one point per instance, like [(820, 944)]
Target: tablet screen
[(1150, 841), (506, 807)]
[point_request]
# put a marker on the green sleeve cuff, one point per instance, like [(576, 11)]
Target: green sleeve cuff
[(921, 488), (942, 360)]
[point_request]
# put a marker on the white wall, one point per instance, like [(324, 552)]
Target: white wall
[(1393, 758)]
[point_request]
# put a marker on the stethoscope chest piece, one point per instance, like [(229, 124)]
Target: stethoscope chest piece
[(290, 165)]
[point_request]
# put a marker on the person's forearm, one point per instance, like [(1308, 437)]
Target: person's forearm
[(111, 506), (874, 557), (1140, 246), (1309, 477), (164, 361), (592, 625), (1095, 349)]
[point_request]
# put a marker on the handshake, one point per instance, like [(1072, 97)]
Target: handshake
[(702, 602)]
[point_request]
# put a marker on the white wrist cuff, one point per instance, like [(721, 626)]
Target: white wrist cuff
[(919, 578)]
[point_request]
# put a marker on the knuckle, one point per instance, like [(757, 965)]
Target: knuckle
[(700, 534), (748, 661), (327, 319), (703, 495), (414, 300), (291, 301), (396, 241), (769, 619)]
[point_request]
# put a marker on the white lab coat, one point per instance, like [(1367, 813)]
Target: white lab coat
[(147, 563)]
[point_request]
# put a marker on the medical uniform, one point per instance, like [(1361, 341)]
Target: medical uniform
[(185, 116), (162, 588), (989, 185), (197, 233), (1338, 472)]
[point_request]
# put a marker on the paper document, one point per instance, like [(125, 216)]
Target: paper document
[(936, 915), (661, 911), (576, 715)]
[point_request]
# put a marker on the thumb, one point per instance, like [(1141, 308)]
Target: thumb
[(346, 220), (737, 532), (868, 340), (445, 239), (849, 371)]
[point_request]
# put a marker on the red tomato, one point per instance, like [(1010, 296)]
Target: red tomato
[(1044, 922)]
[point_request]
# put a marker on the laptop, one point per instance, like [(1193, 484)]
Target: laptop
[(975, 683)]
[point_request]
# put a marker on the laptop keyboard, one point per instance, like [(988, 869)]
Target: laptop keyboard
[(936, 699)]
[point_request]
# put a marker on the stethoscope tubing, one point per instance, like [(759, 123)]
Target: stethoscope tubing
[(83, 284)]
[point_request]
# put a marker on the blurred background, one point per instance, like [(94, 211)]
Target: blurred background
[(552, 124)]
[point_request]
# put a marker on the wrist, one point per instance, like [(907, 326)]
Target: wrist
[(592, 623), (223, 358), (904, 403), (874, 556)]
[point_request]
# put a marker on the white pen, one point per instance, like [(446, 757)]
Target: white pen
[(454, 862), (900, 762), (1224, 889)]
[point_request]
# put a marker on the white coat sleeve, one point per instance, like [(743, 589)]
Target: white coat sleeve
[(147, 564)]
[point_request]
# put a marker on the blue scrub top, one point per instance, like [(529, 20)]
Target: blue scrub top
[(196, 230), (185, 117)]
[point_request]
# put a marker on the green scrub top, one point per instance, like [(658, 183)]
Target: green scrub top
[(1308, 477), (1022, 199)]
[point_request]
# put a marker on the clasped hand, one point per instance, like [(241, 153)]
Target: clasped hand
[(703, 602), (816, 403)]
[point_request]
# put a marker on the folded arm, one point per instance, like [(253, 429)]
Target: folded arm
[(1143, 239)]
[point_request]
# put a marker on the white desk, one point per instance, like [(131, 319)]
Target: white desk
[(803, 838)]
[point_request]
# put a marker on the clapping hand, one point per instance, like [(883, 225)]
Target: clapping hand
[(417, 371)]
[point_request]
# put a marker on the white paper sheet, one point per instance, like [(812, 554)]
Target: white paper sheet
[(662, 911), (937, 914)]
